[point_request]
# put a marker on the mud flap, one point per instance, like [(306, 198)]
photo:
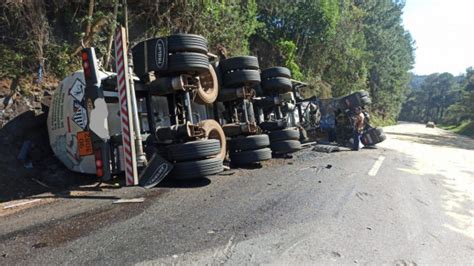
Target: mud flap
[(156, 170)]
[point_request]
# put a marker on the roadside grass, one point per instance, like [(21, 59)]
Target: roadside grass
[(378, 121), (466, 128)]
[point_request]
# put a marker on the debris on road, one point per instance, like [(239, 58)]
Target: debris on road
[(328, 148), (308, 144), (134, 200), (157, 169), (21, 203), (40, 183)]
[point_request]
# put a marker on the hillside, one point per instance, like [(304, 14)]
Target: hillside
[(336, 46)]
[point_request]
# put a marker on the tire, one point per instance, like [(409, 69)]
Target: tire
[(187, 43), (365, 100), (252, 156), (196, 169), (239, 62), (193, 150), (382, 137), (187, 62), (284, 134), (212, 130), (241, 77), (285, 146), (363, 94), (271, 126), (209, 89), (378, 130), (277, 85), (276, 72), (252, 142)]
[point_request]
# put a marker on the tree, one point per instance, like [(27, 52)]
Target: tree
[(390, 55)]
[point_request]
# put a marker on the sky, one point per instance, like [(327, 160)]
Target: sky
[(444, 34)]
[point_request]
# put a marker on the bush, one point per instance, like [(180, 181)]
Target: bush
[(60, 62), (11, 64)]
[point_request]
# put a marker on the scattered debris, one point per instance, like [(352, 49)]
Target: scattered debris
[(135, 200), (335, 254), (156, 170), (24, 150), (13, 205), (308, 144), (328, 166), (369, 228), (226, 173), (326, 148), (39, 245), (211, 232), (226, 168), (28, 165), (40, 183)]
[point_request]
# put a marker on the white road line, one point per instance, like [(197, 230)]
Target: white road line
[(373, 171)]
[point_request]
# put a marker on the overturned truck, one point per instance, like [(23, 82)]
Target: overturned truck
[(180, 113), (333, 118)]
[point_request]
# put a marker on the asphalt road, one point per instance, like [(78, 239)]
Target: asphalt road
[(410, 201)]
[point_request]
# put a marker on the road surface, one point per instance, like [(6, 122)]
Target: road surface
[(410, 201)]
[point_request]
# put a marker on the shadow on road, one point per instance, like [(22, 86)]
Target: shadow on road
[(200, 182), (445, 140), (40, 172)]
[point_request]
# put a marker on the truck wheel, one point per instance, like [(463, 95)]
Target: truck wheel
[(379, 130), (241, 77), (382, 137), (209, 89), (193, 150), (187, 43), (365, 100), (285, 146), (252, 142), (213, 130), (196, 169), (276, 85), (187, 62), (284, 134), (275, 72), (362, 93), (252, 156), (271, 125), (239, 62)]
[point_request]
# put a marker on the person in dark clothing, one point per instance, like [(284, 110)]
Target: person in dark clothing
[(358, 127)]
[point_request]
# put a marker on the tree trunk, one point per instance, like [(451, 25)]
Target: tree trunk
[(90, 13), (111, 38)]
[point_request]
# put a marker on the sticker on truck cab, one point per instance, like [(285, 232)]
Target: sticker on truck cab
[(84, 143)]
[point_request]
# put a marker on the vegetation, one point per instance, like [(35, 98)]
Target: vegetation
[(443, 99), (337, 46)]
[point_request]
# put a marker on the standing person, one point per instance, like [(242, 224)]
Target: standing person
[(358, 127)]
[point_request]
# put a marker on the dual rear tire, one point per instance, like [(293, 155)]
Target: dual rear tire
[(250, 149), (195, 159), (285, 141)]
